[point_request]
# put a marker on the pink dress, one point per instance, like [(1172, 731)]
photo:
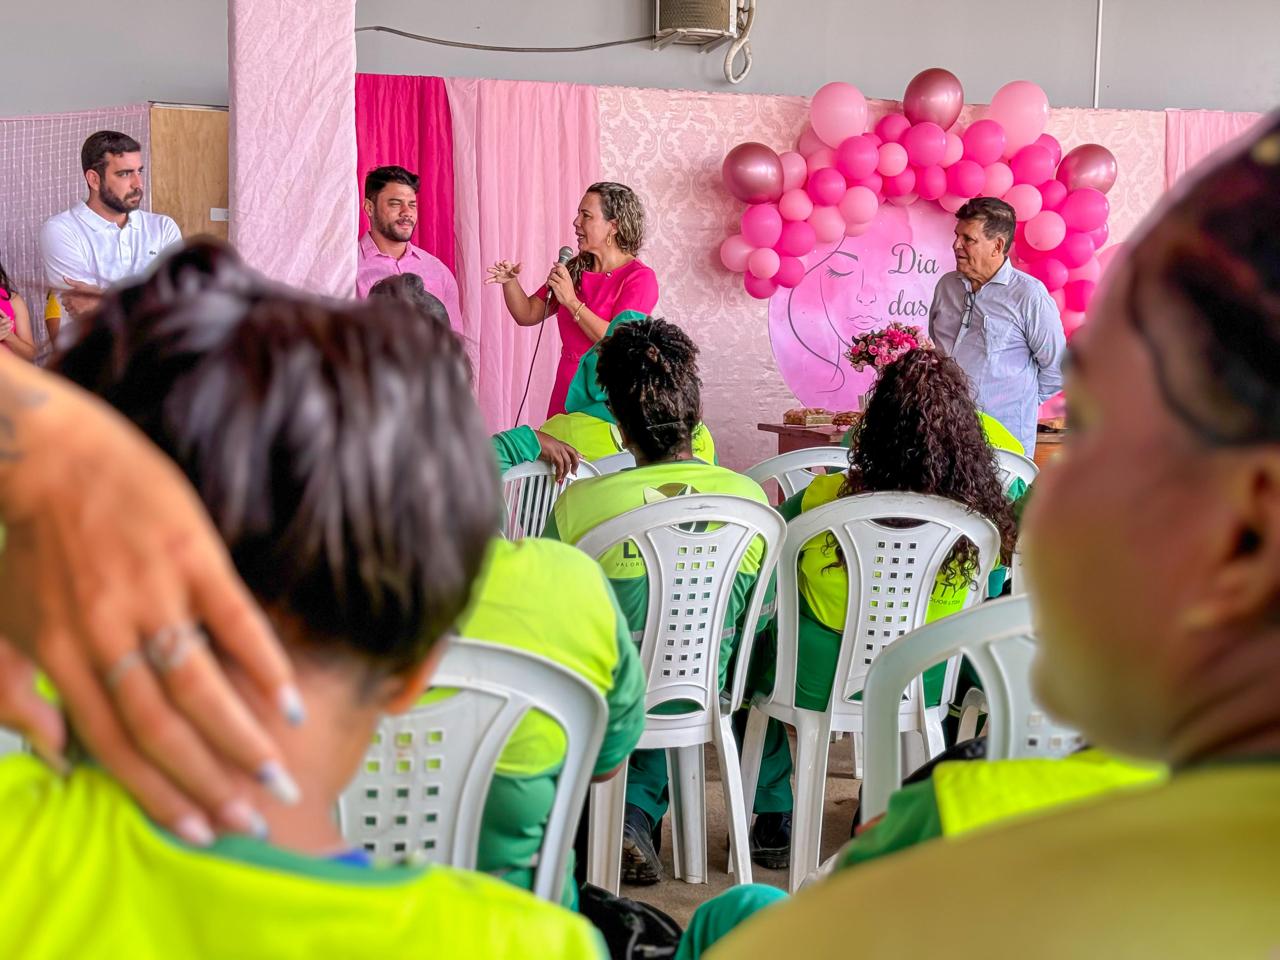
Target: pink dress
[(6, 310), (633, 286)]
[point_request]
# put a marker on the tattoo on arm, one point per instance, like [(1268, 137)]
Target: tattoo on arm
[(15, 399)]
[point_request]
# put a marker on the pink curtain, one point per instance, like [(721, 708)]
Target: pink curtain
[(523, 153), (406, 121), (1192, 135)]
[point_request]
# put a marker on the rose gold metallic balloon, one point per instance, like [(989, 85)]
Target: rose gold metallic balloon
[(753, 173), (1088, 165), (934, 95)]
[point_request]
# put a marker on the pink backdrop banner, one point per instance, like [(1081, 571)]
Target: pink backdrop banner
[(406, 121), (523, 154), (1193, 135), (293, 142)]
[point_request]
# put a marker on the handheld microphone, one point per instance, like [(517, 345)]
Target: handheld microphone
[(566, 254)]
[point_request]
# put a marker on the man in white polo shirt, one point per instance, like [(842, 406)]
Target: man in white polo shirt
[(107, 238)]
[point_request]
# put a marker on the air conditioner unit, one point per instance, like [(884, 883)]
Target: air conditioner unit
[(706, 24)]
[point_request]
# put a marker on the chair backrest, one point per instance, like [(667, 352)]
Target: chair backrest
[(794, 471), (692, 547), (529, 491), (1014, 466), (891, 572), (422, 786), (615, 462), (10, 742), (997, 639)]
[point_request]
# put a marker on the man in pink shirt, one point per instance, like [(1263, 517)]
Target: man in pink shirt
[(391, 203)]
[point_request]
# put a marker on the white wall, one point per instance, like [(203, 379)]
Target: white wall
[(76, 54)]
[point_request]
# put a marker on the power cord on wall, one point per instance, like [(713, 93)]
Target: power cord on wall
[(499, 49)]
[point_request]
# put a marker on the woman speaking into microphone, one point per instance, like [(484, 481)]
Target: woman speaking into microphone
[(604, 279)]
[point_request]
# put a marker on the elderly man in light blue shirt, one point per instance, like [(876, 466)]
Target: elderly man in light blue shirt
[(999, 324)]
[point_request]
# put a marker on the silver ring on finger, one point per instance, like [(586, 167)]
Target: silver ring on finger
[(169, 646), (126, 662)]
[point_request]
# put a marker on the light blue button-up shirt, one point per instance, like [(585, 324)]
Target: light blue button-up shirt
[(1010, 343)]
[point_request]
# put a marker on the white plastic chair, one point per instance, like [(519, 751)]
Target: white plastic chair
[(615, 462), (10, 742), (422, 787), (529, 491), (997, 639), (691, 572), (891, 576), (794, 471), (1014, 466)]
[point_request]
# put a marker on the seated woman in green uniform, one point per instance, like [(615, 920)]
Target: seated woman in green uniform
[(920, 434), (648, 370), (323, 439)]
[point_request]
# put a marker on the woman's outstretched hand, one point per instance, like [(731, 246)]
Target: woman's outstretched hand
[(503, 271)]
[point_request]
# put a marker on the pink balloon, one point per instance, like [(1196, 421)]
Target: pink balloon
[(763, 263), (900, 185), (892, 126), (827, 187), (790, 273), (1075, 250), (859, 205), (905, 200), (762, 225), (827, 223), (954, 151), (753, 173), (873, 182), (951, 203), (760, 289), (797, 240), (856, 229), (794, 170), (1044, 231), (893, 160), (874, 139), (795, 205), (857, 157), (1053, 193), (1060, 299), (821, 160), (734, 253), (1025, 200), (925, 143), (1099, 236), (999, 178), (1089, 165), (1089, 270), (1050, 143), (1032, 164), (1109, 256), (933, 96), (838, 111), (1071, 322), (809, 143), (1085, 209), (984, 142), (1050, 272), (931, 183), (1022, 109), (1079, 292), (965, 179)]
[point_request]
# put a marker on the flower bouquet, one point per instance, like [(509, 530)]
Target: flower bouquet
[(879, 348)]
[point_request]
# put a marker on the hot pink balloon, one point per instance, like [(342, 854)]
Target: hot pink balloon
[(795, 205), (827, 224), (809, 143), (859, 205), (954, 151), (1089, 270), (1050, 143), (893, 160), (925, 143), (1044, 231), (760, 289), (951, 203), (1053, 193), (931, 183), (873, 182), (838, 111), (763, 263), (857, 157), (1032, 164), (874, 140), (1099, 236), (1022, 109), (999, 178), (900, 185), (965, 179), (753, 173), (1079, 293), (797, 240), (790, 273), (762, 225), (984, 142), (892, 126), (1075, 250), (1025, 200), (794, 170), (827, 187), (821, 160), (1085, 209), (1072, 321), (1089, 165), (935, 96), (1060, 299), (1050, 272), (734, 253)]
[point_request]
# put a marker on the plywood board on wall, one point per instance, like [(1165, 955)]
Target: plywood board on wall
[(190, 167)]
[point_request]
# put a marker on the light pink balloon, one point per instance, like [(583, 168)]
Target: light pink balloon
[(893, 160), (1060, 299), (1085, 209), (901, 184), (1049, 272), (931, 183), (838, 111), (797, 240), (821, 160), (790, 273), (935, 96), (794, 170), (1025, 200), (966, 179), (1075, 250), (1022, 108), (1032, 164), (1050, 143), (951, 203), (763, 263), (954, 151), (809, 143), (873, 182), (1044, 231), (1053, 193), (1090, 270), (760, 289), (1079, 293), (859, 205), (734, 253), (857, 229), (925, 143), (983, 142), (827, 223), (857, 157), (1089, 165), (826, 187), (762, 225), (1110, 255), (753, 173), (795, 205), (1071, 322), (905, 200), (891, 127), (999, 178)]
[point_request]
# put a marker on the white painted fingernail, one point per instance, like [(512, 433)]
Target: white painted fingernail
[(242, 818), (195, 830), (278, 783), (291, 706)]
